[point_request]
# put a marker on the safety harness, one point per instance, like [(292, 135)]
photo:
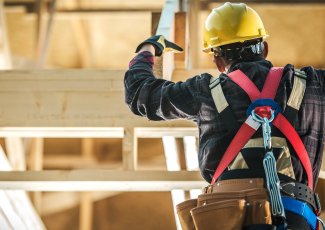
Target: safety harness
[(264, 111)]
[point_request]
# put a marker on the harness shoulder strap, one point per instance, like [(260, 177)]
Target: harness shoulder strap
[(222, 105)]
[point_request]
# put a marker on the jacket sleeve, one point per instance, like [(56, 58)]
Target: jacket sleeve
[(158, 99), (318, 76)]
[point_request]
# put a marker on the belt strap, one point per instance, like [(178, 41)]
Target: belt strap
[(302, 209), (301, 192)]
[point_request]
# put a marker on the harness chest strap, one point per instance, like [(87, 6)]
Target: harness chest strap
[(248, 127)]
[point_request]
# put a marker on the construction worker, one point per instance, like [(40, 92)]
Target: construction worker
[(261, 129)]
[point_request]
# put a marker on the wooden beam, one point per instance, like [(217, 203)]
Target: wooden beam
[(62, 132), (113, 4), (101, 180), (68, 98), (72, 7), (161, 132)]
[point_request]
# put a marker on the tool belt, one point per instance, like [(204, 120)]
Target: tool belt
[(225, 206), (244, 204)]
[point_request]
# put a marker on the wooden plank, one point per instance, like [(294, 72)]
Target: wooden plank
[(101, 180), (68, 98)]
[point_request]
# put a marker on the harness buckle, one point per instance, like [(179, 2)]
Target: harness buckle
[(288, 189)]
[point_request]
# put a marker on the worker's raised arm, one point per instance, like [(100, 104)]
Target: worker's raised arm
[(158, 99)]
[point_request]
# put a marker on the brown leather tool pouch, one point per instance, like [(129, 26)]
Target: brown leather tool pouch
[(183, 211), (227, 215), (225, 206)]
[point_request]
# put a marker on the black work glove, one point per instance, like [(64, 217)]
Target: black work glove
[(161, 45)]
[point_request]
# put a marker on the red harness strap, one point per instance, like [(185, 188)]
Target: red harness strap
[(249, 127)]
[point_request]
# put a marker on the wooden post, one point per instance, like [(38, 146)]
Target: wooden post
[(86, 211), (86, 202), (194, 9), (129, 149), (82, 42), (166, 28), (43, 44), (16, 153), (181, 39), (5, 60)]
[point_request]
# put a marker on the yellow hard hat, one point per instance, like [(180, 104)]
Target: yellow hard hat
[(232, 23)]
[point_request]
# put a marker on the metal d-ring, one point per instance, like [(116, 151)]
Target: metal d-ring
[(260, 119)]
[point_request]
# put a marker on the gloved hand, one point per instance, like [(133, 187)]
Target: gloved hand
[(161, 45)]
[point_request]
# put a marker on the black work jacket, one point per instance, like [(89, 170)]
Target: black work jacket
[(159, 99)]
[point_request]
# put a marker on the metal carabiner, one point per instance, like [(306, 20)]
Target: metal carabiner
[(265, 127)]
